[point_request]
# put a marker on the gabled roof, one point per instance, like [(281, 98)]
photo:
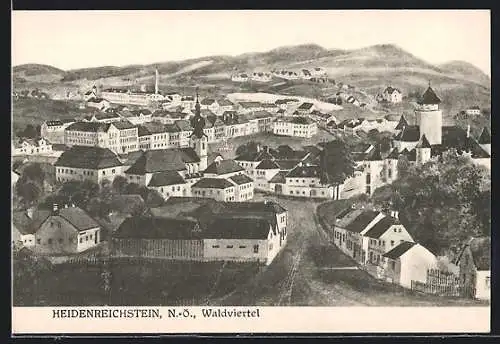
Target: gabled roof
[(267, 165), (402, 123), (279, 178), (159, 160), (399, 250), (381, 227), (165, 178), (287, 164), (89, 127), (394, 154), (238, 228), (124, 124), (88, 157), (373, 155), (305, 172), (423, 143), (223, 167), (207, 101), (362, 220), (149, 227), (225, 102), (391, 90), (485, 137), (212, 183), (241, 179), (410, 133), (77, 217), (429, 98), (305, 106)]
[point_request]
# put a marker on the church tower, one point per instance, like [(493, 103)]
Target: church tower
[(423, 151), (198, 140), (430, 117)]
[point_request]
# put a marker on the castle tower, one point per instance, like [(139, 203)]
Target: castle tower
[(485, 140), (198, 140), (430, 117), (157, 80), (423, 150)]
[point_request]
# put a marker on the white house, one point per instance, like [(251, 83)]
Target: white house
[(53, 131), (98, 103), (31, 147), (408, 262), (239, 77), (392, 95), (261, 77), (296, 126), (473, 111)]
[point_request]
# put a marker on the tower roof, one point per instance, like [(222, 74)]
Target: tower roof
[(485, 137), (423, 143), (429, 97), (402, 123)]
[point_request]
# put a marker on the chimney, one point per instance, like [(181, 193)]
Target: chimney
[(468, 130), (55, 209), (66, 206)]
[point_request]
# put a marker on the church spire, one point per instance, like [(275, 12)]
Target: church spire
[(197, 107)]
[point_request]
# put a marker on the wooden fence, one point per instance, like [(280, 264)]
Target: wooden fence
[(443, 283)]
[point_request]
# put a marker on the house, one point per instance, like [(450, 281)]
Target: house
[(210, 104), (305, 74), (64, 230), (392, 95), (473, 111), (306, 108), (297, 127), (285, 103), (318, 72), (260, 122), (38, 146), (108, 116), (245, 107), (137, 116), (14, 177), (90, 94), (474, 262), (205, 230), (174, 97), (98, 103), (407, 262), (225, 105), (242, 239), (239, 77), (261, 77), (188, 102), (219, 189), (223, 169), (87, 163), (153, 135), (53, 131)]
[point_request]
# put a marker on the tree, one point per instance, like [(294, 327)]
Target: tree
[(248, 147), (29, 132), (119, 184), (153, 198), (337, 163), (34, 172), (28, 191)]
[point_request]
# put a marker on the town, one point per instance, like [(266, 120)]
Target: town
[(153, 176)]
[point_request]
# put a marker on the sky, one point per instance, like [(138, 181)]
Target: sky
[(79, 39)]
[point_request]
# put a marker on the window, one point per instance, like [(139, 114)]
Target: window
[(49, 241), (487, 282), (215, 246), (61, 241), (38, 241), (59, 225), (243, 246), (393, 265), (392, 242), (270, 246), (229, 246), (395, 230), (90, 236), (255, 248), (51, 224), (86, 238)]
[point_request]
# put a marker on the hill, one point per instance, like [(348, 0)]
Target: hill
[(465, 69), (37, 72)]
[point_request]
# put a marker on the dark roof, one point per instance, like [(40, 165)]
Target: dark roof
[(456, 137), (394, 154), (74, 215), (373, 155), (279, 178), (212, 183), (301, 120), (402, 123), (88, 157), (253, 207), (207, 101), (423, 143), (429, 97), (390, 90), (305, 106), (225, 102), (132, 157), (410, 133), (223, 167), (362, 220), (250, 104), (149, 227), (399, 250), (88, 126), (124, 124), (485, 137), (166, 178), (241, 179), (254, 156), (381, 227), (159, 160), (410, 155), (287, 164), (305, 172), (267, 165), (238, 228)]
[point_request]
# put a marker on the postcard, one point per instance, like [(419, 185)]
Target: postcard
[(251, 171)]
